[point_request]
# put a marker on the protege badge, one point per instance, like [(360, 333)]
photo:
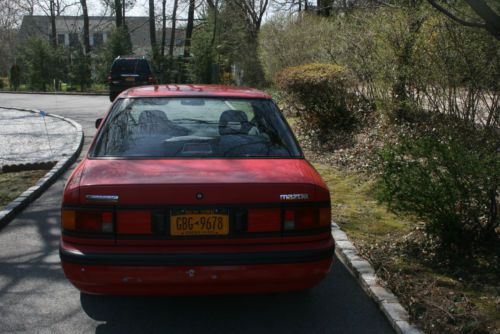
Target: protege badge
[(291, 197)]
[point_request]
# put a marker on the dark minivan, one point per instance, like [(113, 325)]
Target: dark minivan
[(128, 72)]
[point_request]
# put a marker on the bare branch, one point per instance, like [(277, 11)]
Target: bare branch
[(454, 17)]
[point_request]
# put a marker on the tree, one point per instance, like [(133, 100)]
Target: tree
[(254, 11), (86, 33), (79, 70), (116, 45), (42, 64), (172, 31), (163, 26), (53, 33), (490, 19), (152, 30), (189, 28), (118, 13), (15, 76)]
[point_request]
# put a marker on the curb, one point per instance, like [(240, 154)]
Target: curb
[(54, 93), (14, 207), (363, 271)]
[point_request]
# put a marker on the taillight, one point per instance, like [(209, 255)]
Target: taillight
[(307, 218), (110, 78), (325, 216), (87, 221), (289, 219), (151, 79)]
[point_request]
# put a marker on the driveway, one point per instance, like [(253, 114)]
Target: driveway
[(35, 296)]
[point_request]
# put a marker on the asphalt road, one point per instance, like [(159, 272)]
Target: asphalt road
[(35, 296)]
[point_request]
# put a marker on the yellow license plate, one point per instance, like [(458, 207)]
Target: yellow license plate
[(132, 79), (199, 222)]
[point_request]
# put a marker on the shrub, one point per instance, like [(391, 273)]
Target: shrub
[(80, 69), (320, 94), (42, 64), (449, 178)]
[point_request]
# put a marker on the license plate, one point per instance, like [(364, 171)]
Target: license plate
[(199, 222), (131, 79)]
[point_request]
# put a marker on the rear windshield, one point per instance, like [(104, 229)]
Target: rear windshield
[(130, 66), (195, 127)]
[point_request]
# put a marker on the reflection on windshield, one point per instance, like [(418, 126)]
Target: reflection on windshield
[(195, 127)]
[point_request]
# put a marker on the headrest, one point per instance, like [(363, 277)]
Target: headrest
[(152, 116), (232, 122)]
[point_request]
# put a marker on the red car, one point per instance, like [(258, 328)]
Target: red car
[(195, 189)]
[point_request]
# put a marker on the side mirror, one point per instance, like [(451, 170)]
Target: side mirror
[(98, 122)]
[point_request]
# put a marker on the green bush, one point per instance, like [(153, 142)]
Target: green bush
[(41, 63), (80, 69), (449, 178), (320, 94)]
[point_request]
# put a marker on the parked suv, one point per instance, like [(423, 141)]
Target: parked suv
[(128, 72)]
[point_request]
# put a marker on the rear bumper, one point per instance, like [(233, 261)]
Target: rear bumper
[(196, 274)]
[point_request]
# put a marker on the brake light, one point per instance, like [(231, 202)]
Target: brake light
[(305, 218), (264, 220), (87, 221)]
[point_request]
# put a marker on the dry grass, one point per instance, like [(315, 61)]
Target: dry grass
[(13, 184)]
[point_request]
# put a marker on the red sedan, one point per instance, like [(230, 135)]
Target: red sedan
[(191, 189)]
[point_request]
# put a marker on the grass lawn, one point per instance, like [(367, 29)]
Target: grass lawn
[(13, 184), (354, 208), (462, 297)]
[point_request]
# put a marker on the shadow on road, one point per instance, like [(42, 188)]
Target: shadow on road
[(320, 310)]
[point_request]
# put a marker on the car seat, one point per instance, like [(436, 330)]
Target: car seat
[(234, 122)]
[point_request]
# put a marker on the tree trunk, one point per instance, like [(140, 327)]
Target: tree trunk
[(491, 19), (189, 29), (123, 12), (172, 32), (118, 13), (163, 27), (86, 33), (152, 30), (53, 36)]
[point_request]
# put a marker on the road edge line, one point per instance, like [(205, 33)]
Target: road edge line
[(367, 278), (31, 194)]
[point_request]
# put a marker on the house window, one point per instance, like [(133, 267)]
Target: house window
[(61, 39), (98, 39), (73, 40)]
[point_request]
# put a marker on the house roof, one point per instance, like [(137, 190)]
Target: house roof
[(138, 27)]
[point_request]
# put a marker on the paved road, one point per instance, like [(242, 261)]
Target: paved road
[(35, 296)]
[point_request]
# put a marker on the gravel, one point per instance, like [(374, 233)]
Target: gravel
[(27, 137)]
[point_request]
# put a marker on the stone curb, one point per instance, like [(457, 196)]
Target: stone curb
[(363, 271), (54, 93), (14, 207)]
